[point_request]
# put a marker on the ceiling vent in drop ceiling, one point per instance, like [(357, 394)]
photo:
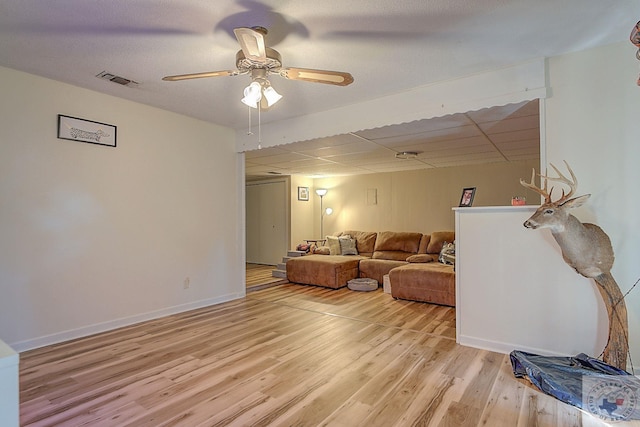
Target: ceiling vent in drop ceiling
[(407, 155), (105, 75)]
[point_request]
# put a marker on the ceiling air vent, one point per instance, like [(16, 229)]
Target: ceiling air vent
[(406, 155), (105, 75)]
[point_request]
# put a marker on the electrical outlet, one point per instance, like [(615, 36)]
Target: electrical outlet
[(186, 283)]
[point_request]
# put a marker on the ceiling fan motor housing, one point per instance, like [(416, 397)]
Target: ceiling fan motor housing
[(273, 61)]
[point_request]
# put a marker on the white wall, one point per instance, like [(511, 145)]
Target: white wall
[(302, 212), (95, 237), (592, 121)]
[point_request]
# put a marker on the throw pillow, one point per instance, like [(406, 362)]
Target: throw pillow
[(420, 258), (322, 250), (347, 245), (447, 253), (334, 245)]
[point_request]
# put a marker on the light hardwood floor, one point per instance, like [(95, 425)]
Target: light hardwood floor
[(259, 276), (288, 355)]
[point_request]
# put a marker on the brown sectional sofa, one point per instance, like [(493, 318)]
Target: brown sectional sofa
[(410, 260)]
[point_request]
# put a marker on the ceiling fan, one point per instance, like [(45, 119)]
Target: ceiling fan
[(259, 61)]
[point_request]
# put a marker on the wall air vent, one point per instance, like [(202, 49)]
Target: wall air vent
[(105, 75)]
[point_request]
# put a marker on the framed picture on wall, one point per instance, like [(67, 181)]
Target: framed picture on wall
[(466, 200), (303, 193), (82, 130)]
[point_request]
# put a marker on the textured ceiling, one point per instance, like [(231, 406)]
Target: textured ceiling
[(388, 47)]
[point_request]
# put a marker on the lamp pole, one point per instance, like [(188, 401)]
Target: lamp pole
[(321, 218), (321, 192)]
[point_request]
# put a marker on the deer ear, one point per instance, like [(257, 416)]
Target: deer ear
[(576, 202)]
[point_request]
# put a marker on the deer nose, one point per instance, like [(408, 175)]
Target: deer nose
[(529, 224)]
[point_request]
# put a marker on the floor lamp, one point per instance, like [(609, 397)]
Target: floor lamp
[(321, 192)]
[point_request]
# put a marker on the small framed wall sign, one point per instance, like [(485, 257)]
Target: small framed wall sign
[(89, 131), (303, 193)]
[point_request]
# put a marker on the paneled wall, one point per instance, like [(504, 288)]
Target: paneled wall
[(416, 200)]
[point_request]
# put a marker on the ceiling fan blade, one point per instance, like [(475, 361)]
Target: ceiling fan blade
[(200, 75), (337, 78), (252, 43)]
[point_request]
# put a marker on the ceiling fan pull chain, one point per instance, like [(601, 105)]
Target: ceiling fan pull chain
[(259, 128), (249, 129)]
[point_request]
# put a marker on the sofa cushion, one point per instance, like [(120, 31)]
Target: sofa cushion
[(392, 255), (347, 245), (398, 241), (365, 240), (322, 250), (421, 258), (424, 243), (377, 268), (438, 238), (334, 245)]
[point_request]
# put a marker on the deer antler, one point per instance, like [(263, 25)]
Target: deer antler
[(532, 186), (572, 183)]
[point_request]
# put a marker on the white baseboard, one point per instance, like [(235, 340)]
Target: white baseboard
[(84, 331), (501, 347), (506, 348)]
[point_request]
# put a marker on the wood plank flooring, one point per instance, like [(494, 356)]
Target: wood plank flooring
[(259, 277), (288, 355)]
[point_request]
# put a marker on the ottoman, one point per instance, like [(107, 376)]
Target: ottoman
[(331, 271), (425, 282)]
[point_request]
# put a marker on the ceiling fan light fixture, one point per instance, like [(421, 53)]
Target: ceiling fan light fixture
[(406, 155), (271, 95), (252, 95)]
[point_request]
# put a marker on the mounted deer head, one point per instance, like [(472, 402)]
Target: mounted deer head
[(552, 214), (587, 249)]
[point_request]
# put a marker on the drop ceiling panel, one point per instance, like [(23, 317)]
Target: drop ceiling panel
[(528, 143), (280, 158), (510, 125), (467, 159), (417, 127), (526, 108), (434, 135), (359, 158), (353, 147), (440, 146), (311, 144), (518, 135)]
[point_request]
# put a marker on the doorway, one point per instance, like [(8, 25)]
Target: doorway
[(267, 234)]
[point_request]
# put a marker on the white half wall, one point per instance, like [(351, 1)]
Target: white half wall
[(96, 237), (514, 291)]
